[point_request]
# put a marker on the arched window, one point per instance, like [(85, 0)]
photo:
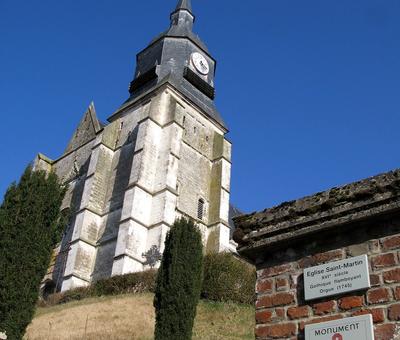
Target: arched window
[(48, 289), (200, 209)]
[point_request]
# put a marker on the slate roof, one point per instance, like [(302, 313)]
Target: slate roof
[(178, 31), (182, 31), (166, 60), (87, 129)]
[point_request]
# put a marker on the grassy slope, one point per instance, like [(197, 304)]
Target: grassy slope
[(132, 317)]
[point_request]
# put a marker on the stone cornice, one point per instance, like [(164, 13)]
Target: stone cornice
[(132, 257), (80, 277), (293, 222), (148, 95), (46, 159), (215, 160)]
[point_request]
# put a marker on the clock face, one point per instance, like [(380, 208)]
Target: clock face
[(200, 63)]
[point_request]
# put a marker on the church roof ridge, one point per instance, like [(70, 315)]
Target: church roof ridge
[(87, 129), (93, 116)]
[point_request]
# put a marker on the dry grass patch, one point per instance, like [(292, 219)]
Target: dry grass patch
[(216, 320), (122, 317), (132, 317)]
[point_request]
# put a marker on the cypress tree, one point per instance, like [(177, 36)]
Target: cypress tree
[(179, 282), (29, 228)]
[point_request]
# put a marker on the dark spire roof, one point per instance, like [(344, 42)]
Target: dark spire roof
[(184, 5), (182, 19), (166, 60)]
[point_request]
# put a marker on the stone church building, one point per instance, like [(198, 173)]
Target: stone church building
[(161, 155), (325, 264)]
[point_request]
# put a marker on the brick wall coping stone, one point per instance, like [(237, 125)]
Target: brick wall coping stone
[(291, 222)]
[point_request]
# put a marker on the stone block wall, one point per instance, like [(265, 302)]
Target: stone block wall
[(282, 313), (130, 179)]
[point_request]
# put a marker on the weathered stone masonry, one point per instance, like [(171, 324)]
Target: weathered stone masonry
[(360, 218), (162, 155)]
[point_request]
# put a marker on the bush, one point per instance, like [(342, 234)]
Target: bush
[(74, 295), (29, 228), (227, 278), (142, 282), (131, 283), (179, 282), (51, 300)]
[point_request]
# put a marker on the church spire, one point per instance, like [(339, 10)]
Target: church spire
[(180, 58), (182, 15), (184, 5)]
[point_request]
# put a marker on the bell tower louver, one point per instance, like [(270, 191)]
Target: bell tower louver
[(178, 56)]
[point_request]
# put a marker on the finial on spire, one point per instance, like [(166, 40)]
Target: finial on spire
[(184, 5), (182, 15)]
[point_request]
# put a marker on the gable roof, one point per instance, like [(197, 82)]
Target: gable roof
[(87, 129)]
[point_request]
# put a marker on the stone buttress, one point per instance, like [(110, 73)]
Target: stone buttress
[(162, 155)]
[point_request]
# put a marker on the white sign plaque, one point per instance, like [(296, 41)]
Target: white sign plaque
[(336, 278), (357, 328)]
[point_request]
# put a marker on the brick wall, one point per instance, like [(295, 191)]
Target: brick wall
[(282, 313), (356, 219)]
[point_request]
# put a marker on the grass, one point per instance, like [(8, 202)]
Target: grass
[(132, 317)]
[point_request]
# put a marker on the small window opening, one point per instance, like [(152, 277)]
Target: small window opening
[(48, 289), (200, 209), (184, 120), (121, 125)]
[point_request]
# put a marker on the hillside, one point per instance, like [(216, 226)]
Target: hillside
[(132, 317)]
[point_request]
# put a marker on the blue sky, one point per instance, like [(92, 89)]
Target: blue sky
[(310, 89)]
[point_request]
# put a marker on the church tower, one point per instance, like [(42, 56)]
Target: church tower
[(163, 154)]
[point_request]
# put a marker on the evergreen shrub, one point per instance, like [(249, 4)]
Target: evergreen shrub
[(30, 226), (141, 282), (227, 278), (179, 282), (75, 294)]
